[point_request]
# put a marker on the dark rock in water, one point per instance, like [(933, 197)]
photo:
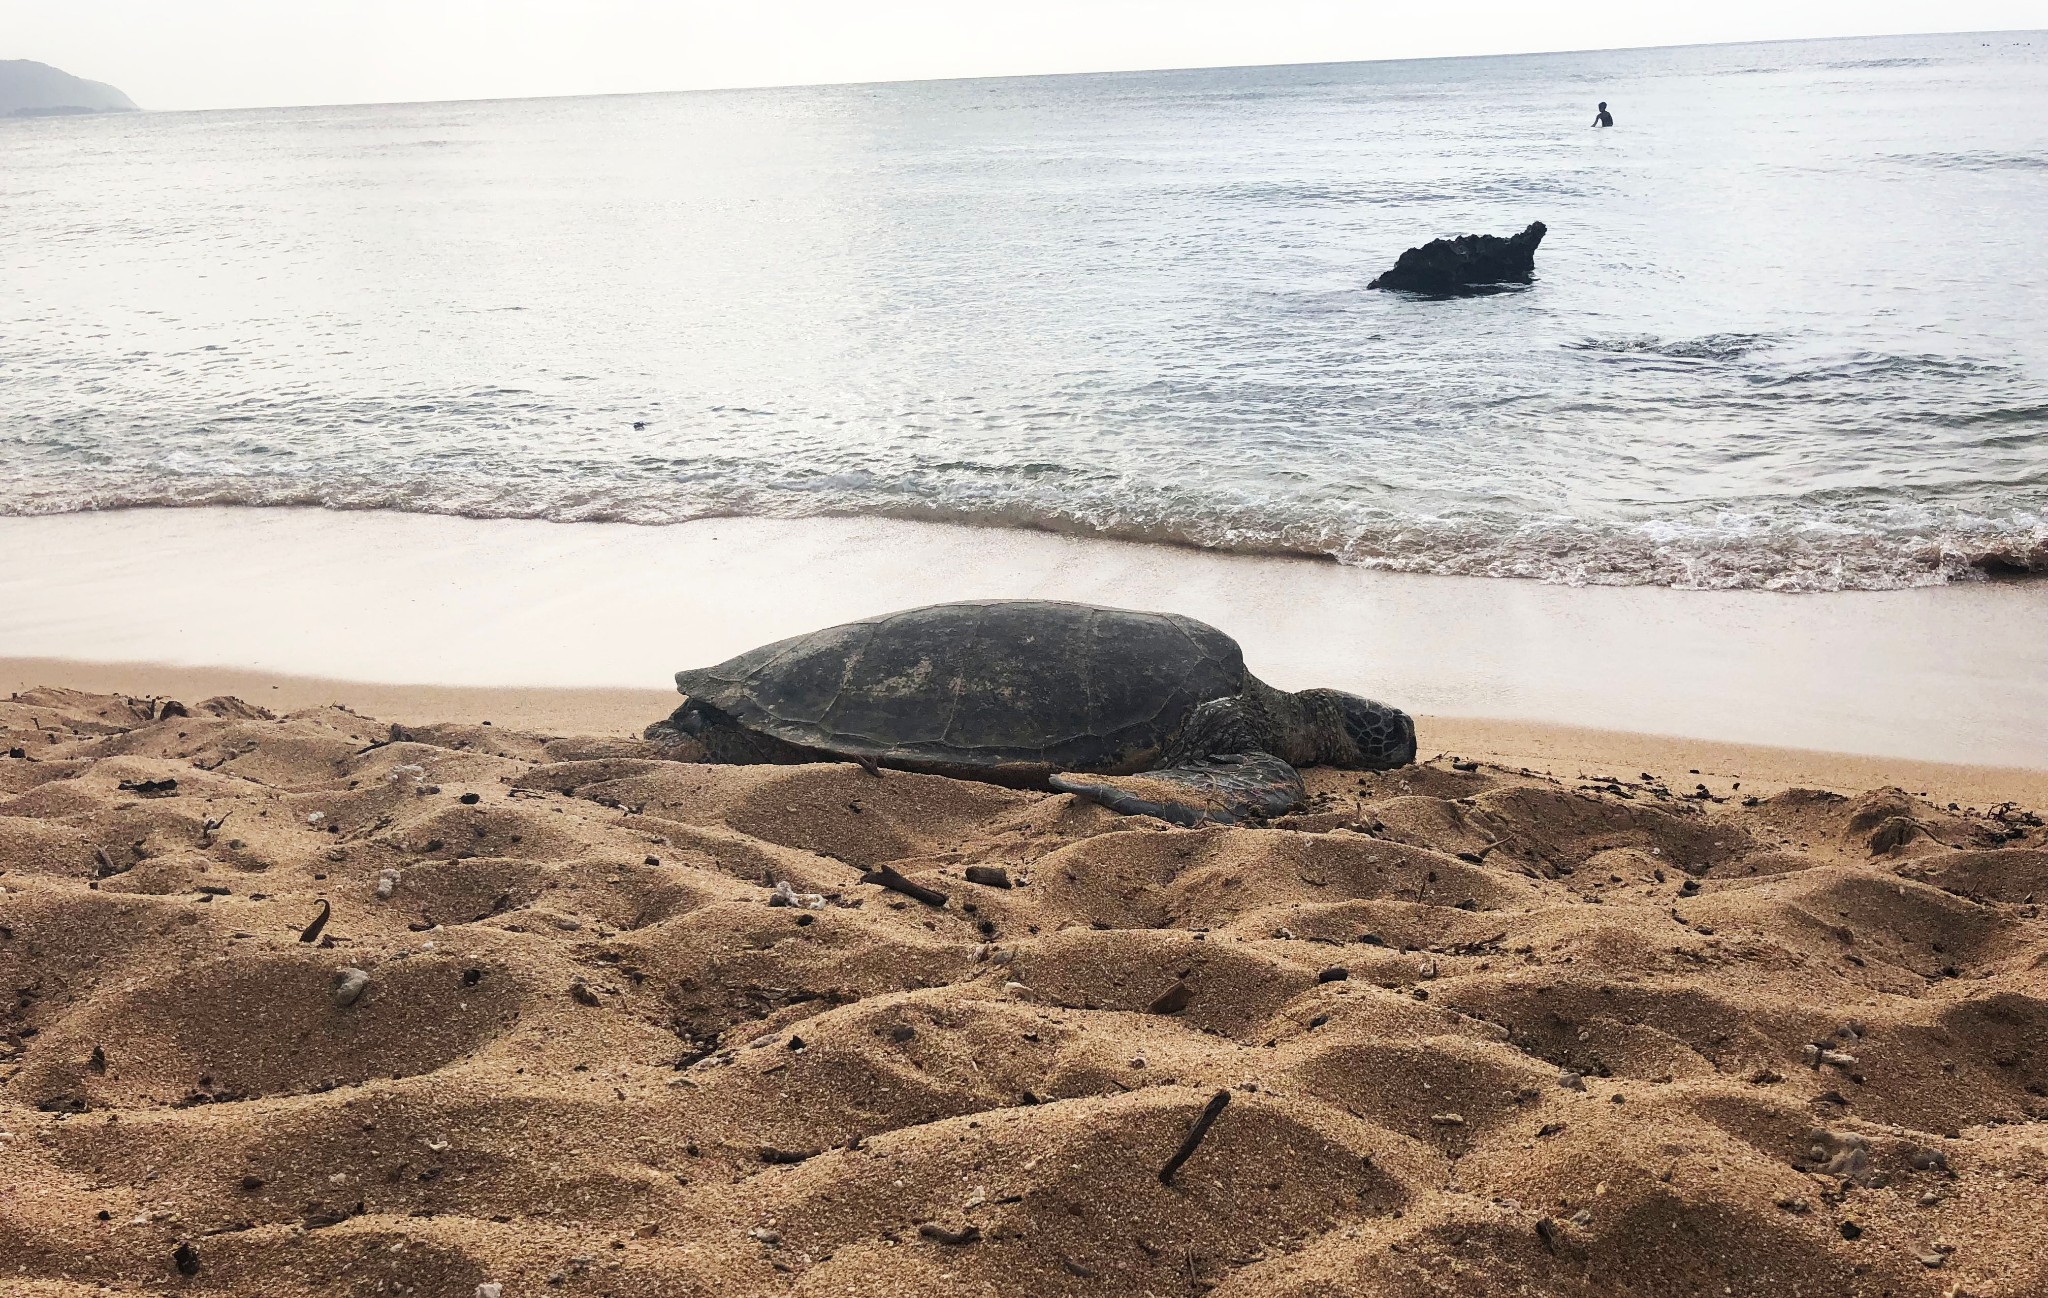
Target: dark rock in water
[(1466, 264)]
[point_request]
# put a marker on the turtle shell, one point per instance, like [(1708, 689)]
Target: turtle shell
[(1034, 685)]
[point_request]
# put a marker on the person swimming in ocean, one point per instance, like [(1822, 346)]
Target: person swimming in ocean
[(1603, 117)]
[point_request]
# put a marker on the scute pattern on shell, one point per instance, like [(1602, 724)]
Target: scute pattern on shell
[(1030, 683)]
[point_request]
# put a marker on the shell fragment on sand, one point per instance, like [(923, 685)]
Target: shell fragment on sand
[(349, 986)]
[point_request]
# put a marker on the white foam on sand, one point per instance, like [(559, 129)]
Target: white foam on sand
[(1955, 673)]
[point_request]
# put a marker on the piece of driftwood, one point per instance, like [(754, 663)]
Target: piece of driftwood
[(888, 877), (1217, 1103)]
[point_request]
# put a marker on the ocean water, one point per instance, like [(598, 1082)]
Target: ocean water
[(1789, 330)]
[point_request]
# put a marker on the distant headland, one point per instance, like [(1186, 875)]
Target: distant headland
[(30, 89)]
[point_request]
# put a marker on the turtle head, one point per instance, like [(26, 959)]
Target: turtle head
[(686, 722), (1366, 735), (680, 732)]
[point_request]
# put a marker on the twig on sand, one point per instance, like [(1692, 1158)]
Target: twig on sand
[(938, 1234), (889, 878), (1479, 857), (1216, 1105), (312, 933)]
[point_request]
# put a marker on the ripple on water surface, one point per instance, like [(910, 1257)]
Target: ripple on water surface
[(1132, 305)]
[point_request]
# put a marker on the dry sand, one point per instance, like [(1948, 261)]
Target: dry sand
[(1482, 1032)]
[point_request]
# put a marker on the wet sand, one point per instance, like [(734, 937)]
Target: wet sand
[(1952, 674)]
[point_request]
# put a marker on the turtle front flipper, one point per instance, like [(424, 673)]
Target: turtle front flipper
[(1216, 790)]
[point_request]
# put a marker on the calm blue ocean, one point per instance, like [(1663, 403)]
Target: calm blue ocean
[(1790, 327)]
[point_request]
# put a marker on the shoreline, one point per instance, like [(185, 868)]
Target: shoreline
[(1569, 753), (1953, 674)]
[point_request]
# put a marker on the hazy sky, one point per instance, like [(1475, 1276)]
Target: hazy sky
[(233, 53)]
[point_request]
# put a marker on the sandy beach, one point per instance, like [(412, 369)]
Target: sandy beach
[(403, 404), (582, 1020), (389, 960)]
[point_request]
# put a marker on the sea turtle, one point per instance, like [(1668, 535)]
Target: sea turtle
[(1146, 713)]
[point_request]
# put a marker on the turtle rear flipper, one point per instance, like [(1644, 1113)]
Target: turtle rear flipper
[(1217, 790)]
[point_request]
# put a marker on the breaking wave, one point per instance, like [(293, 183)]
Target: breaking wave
[(1875, 548)]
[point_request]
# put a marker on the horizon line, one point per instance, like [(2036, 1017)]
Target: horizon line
[(1095, 72)]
